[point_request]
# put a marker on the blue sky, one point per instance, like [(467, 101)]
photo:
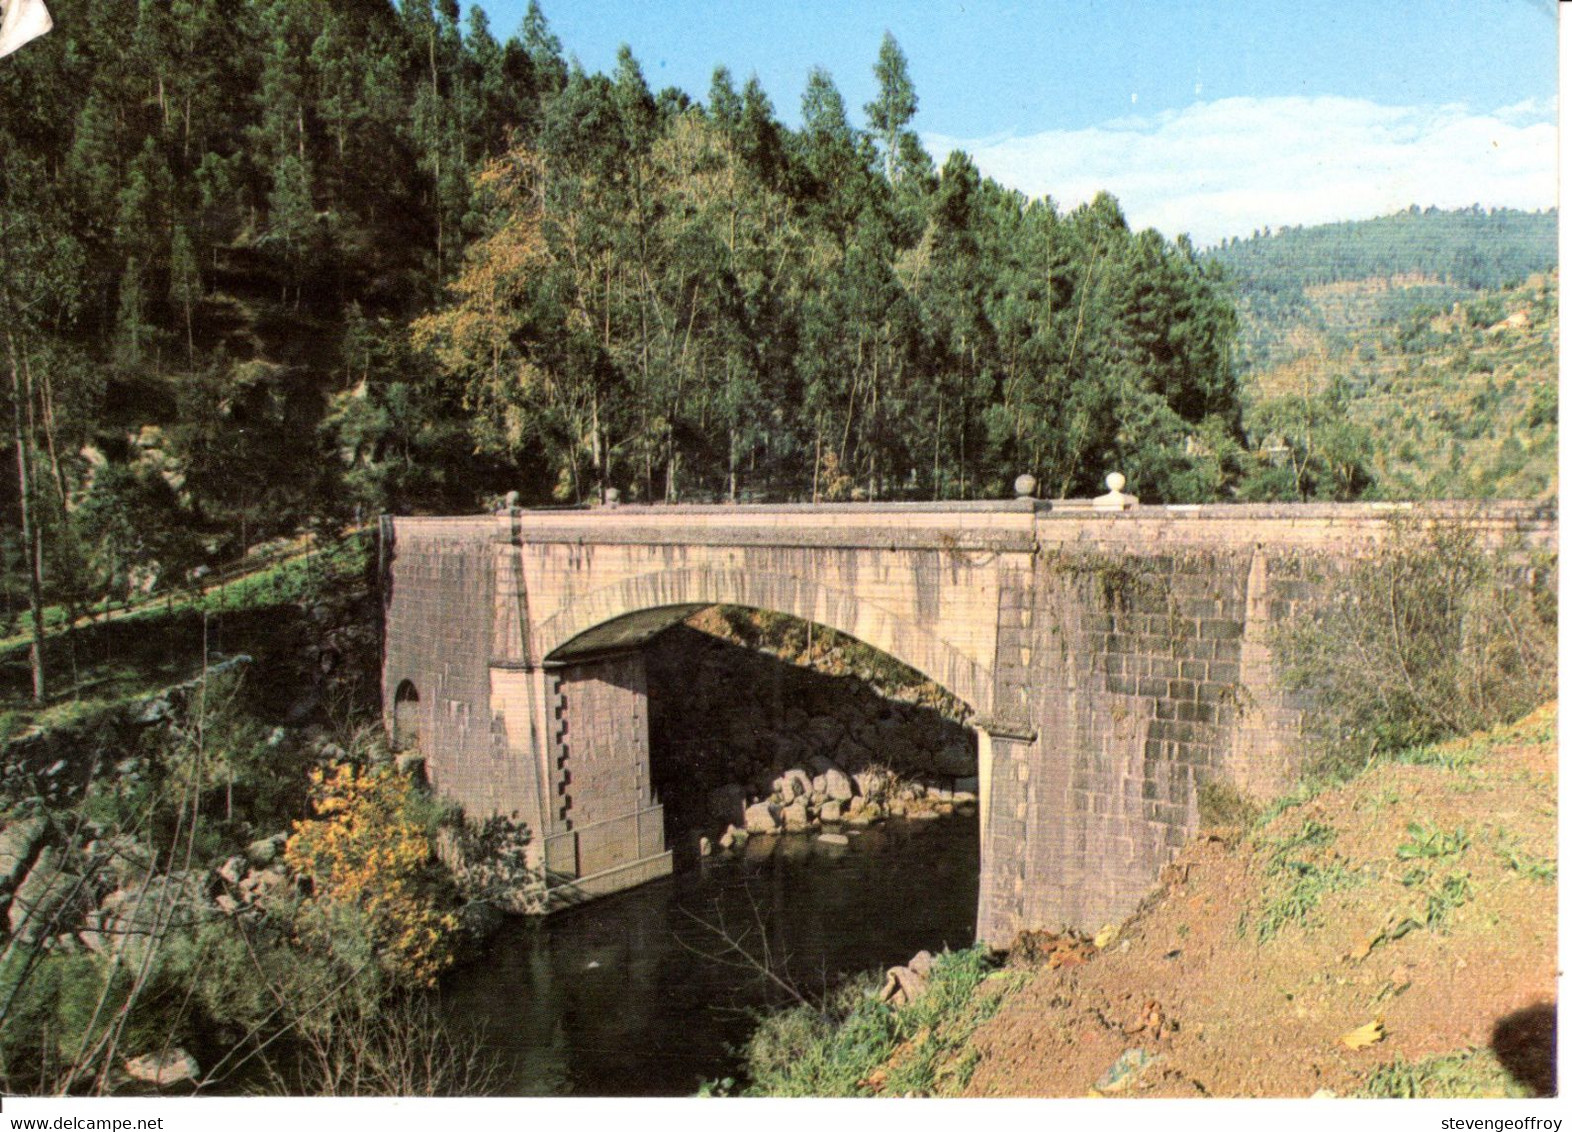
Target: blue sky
[(1208, 116)]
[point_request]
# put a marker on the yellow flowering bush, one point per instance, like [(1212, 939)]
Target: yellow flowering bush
[(367, 850)]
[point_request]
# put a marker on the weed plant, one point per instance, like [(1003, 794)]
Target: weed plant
[(856, 1045), (1472, 1073), (1299, 879)]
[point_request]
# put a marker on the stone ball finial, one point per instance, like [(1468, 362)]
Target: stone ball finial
[(1116, 499), (613, 497), (1025, 486)]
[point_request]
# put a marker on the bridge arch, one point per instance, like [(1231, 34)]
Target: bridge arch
[(647, 603)]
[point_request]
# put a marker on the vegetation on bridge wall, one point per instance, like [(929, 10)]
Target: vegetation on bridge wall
[(1435, 634)]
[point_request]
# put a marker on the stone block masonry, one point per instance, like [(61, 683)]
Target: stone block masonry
[(1114, 662)]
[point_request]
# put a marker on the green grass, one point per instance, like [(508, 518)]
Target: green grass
[(1307, 789), (106, 664), (289, 579), (1513, 856), (1443, 756), (1426, 841), (1297, 880), (1455, 890), (1449, 755), (1471, 1073), (858, 1046)]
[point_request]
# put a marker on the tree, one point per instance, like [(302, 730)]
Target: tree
[(893, 109), (834, 165), (488, 338), (185, 284), (543, 49), (39, 287), (292, 226)]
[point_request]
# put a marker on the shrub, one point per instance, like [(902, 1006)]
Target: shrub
[(369, 849), (401, 1048), (1434, 635)]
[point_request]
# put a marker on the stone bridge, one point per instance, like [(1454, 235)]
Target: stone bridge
[(1114, 659)]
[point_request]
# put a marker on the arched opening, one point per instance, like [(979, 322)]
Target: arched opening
[(629, 612), (406, 716), (761, 719), (740, 697), (703, 723)]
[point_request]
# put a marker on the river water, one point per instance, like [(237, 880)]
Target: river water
[(631, 995)]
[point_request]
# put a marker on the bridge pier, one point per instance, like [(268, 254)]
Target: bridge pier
[(602, 827)]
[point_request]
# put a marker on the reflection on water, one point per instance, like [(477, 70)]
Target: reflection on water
[(625, 996)]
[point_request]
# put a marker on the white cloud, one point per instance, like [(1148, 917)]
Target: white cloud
[(1226, 168)]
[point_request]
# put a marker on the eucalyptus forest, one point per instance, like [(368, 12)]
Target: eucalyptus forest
[(271, 264)]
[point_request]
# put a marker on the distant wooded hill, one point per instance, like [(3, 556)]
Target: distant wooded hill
[(1410, 356), (1286, 281), (1472, 248)]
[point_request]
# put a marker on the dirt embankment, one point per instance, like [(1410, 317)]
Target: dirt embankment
[(1393, 936)]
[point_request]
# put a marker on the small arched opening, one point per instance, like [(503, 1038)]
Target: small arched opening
[(406, 716)]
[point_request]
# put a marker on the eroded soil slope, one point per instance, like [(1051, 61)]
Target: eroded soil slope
[(1395, 935)]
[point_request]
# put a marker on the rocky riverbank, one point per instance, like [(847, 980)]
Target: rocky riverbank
[(774, 736)]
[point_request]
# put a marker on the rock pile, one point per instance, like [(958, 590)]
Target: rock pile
[(796, 801), (82, 890), (768, 747)]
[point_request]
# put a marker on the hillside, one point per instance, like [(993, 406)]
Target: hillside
[(1431, 256), (1457, 402), (1409, 356), (1394, 936)]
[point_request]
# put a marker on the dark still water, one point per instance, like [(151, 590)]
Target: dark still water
[(624, 996)]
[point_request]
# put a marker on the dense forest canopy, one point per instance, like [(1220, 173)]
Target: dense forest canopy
[(1471, 248), (271, 264)]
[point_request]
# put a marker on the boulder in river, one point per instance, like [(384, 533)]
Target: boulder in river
[(794, 783), (760, 818), (796, 815), (871, 783), (838, 785)]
